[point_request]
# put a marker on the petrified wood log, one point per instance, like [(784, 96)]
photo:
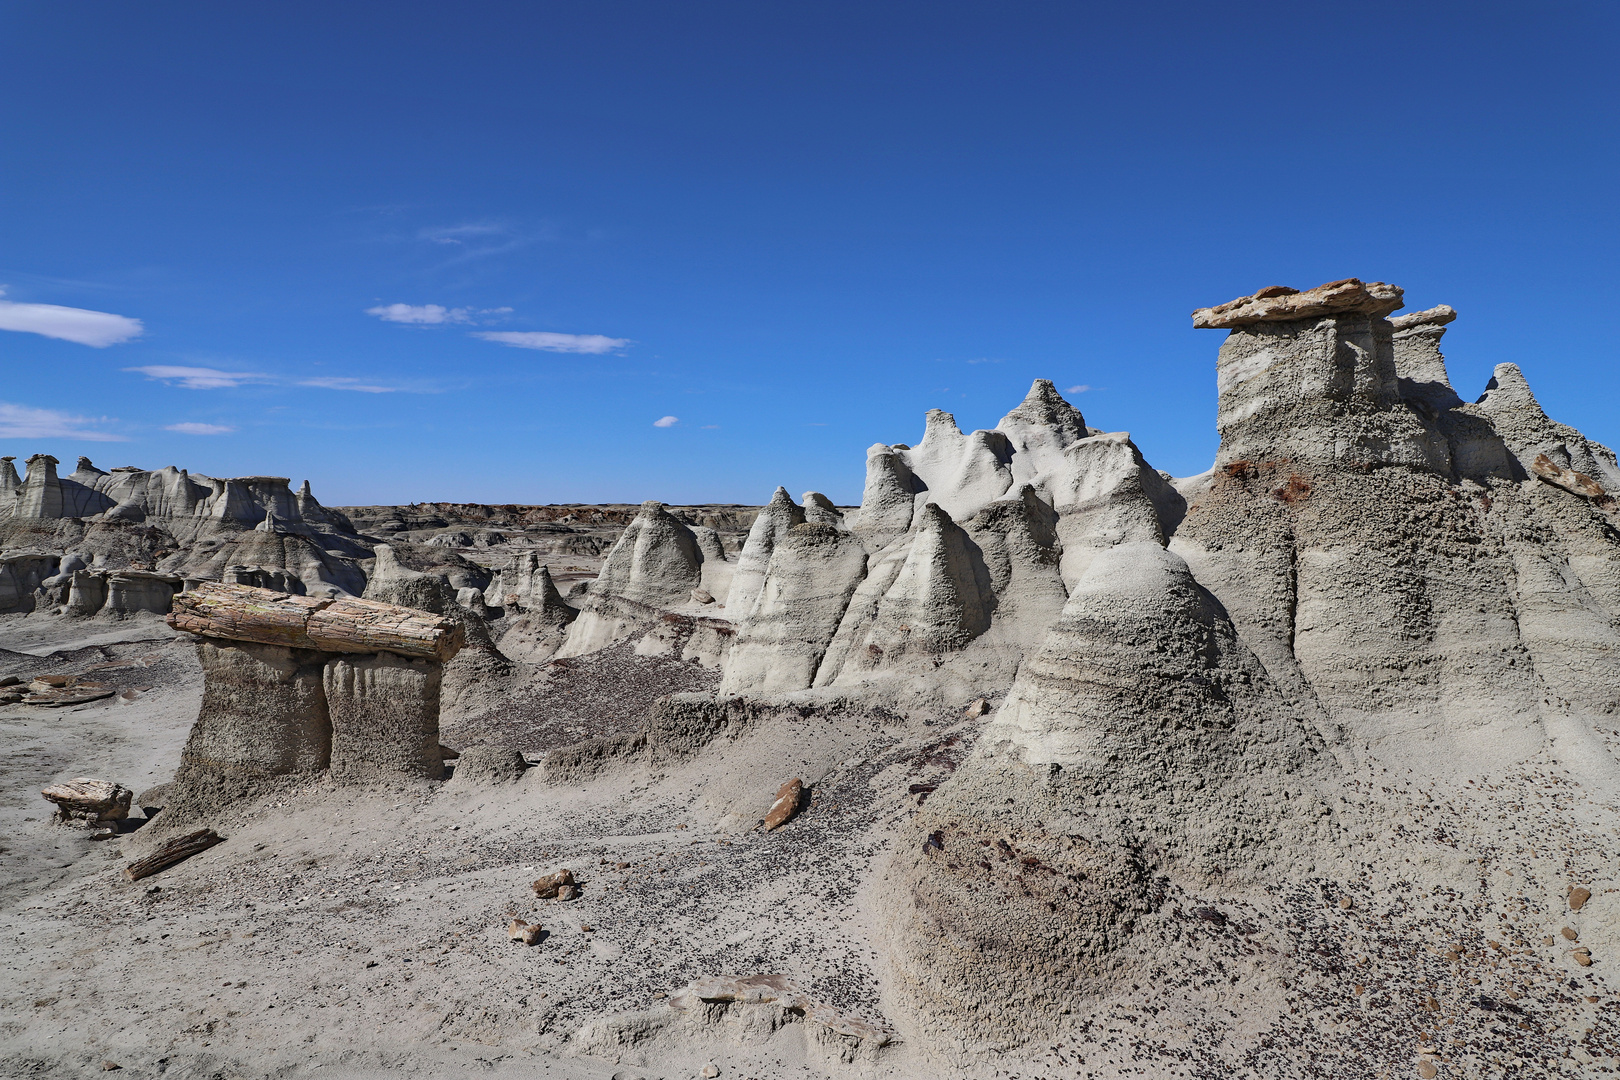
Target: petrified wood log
[(177, 850), (344, 625)]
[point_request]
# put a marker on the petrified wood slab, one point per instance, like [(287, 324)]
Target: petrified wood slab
[(345, 625)]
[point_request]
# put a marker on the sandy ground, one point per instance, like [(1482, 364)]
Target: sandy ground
[(344, 932)]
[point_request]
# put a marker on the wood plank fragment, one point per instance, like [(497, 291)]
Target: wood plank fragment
[(174, 851)]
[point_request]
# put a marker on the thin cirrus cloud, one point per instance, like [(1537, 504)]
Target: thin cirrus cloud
[(24, 422), (341, 382), (202, 378), (82, 326), (459, 234), (430, 314), (1082, 388), (190, 428), (199, 378), (591, 344), (666, 421)]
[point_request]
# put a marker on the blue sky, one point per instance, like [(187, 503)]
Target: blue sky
[(478, 251)]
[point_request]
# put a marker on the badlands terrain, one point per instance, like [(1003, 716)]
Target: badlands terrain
[(1302, 767)]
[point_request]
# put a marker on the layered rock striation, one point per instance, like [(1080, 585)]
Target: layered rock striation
[(1377, 576)]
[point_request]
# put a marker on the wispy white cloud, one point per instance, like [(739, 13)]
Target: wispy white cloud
[(430, 314), (594, 344), (987, 360), (200, 378), (666, 421), (342, 382), (189, 428), (23, 422), (711, 427), (419, 314), (459, 234), (81, 325), (1082, 388)]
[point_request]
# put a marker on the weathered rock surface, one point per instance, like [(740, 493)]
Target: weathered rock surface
[(1279, 303), (89, 800)]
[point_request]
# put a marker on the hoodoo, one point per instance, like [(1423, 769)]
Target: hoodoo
[(301, 684)]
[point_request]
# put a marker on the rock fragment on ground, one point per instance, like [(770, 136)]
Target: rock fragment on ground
[(551, 886), (788, 798)]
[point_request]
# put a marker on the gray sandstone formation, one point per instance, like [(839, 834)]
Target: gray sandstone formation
[(954, 567), (655, 566), (263, 714), (1376, 575), (488, 765), (172, 525), (1189, 696), (385, 716)]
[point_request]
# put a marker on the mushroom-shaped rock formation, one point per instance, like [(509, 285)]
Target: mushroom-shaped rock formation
[(295, 684), (1367, 529)]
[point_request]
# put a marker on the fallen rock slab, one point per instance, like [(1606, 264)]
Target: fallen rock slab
[(71, 695), (175, 851), (1568, 479)]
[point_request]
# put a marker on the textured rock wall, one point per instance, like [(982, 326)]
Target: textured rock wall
[(263, 715), (385, 717)]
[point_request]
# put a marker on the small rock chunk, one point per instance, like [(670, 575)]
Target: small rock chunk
[(788, 798), (89, 801), (1578, 898), (551, 886), (523, 932)]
